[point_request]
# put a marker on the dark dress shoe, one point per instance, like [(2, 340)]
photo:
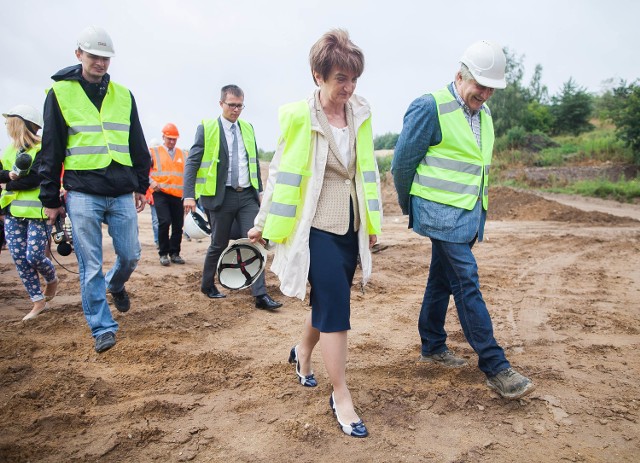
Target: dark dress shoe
[(213, 293), (266, 303)]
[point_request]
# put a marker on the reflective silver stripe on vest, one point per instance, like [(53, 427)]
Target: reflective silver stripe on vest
[(450, 164), (164, 172), (447, 185), (26, 203), (285, 210), (87, 150), (116, 126), (170, 186), (201, 180), (205, 165), (254, 174), (369, 176), (76, 129), (287, 178), (374, 205), (486, 169), (449, 107), (119, 148)]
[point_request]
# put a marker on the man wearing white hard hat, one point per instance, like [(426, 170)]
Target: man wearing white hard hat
[(441, 169), (92, 128)]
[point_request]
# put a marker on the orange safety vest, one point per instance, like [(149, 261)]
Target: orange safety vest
[(167, 172)]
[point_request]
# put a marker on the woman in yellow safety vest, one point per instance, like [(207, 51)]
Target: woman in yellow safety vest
[(322, 208), (26, 229)]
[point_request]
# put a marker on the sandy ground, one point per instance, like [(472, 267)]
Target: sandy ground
[(208, 381)]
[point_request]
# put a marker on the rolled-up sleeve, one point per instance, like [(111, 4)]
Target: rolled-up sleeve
[(420, 129)]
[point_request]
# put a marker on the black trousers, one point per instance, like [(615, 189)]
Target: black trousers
[(170, 215)]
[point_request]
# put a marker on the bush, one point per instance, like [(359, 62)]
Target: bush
[(265, 155), (385, 142), (384, 164)]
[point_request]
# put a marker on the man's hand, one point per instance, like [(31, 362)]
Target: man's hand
[(154, 185), (189, 205), (52, 214), (140, 201)]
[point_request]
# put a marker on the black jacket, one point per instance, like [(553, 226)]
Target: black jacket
[(113, 180)]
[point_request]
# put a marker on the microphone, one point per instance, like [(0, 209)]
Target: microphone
[(22, 165), (59, 236)]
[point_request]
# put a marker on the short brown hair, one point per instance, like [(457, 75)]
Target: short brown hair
[(335, 49), (233, 89)]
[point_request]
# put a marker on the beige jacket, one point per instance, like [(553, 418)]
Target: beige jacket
[(291, 260)]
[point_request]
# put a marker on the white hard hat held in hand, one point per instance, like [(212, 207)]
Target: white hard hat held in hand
[(241, 263), (96, 41), (486, 62)]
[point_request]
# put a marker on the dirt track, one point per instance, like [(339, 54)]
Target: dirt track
[(196, 380)]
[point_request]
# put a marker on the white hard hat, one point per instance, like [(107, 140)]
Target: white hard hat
[(486, 62), (96, 41), (196, 225), (26, 113), (241, 264)]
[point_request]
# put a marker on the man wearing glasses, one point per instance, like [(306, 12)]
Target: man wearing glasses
[(223, 170)]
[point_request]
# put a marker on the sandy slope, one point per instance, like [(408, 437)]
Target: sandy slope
[(196, 380)]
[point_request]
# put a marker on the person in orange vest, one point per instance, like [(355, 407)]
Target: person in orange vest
[(166, 184)]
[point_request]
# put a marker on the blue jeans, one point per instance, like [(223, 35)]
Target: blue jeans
[(88, 213), (154, 222), (454, 271)]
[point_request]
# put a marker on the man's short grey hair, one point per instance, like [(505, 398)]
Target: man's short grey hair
[(465, 73)]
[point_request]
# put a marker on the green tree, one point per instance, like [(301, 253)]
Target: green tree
[(519, 105), (625, 114), (571, 109), (385, 142)]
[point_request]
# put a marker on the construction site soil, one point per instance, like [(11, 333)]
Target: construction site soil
[(193, 379)]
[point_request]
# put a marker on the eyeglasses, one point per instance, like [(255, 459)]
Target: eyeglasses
[(239, 106)]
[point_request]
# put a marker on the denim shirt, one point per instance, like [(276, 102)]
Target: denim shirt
[(420, 130)]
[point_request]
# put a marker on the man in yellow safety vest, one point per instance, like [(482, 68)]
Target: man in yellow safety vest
[(223, 171), (441, 173), (92, 128)]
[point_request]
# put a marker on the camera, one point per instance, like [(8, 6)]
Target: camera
[(62, 237)]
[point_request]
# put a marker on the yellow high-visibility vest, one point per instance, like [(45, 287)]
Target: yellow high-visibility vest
[(207, 174), (456, 171), (24, 203), (95, 138), (295, 127)]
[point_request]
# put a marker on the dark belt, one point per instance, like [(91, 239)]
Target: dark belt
[(239, 189)]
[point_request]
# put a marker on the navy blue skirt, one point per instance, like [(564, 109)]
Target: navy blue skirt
[(333, 260)]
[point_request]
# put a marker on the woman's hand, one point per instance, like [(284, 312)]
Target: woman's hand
[(373, 239), (255, 235)]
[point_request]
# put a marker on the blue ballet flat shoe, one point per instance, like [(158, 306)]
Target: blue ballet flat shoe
[(354, 429), (307, 381)]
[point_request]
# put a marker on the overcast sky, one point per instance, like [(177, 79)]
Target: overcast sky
[(175, 55)]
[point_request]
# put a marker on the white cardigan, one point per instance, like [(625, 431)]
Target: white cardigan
[(291, 261)]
